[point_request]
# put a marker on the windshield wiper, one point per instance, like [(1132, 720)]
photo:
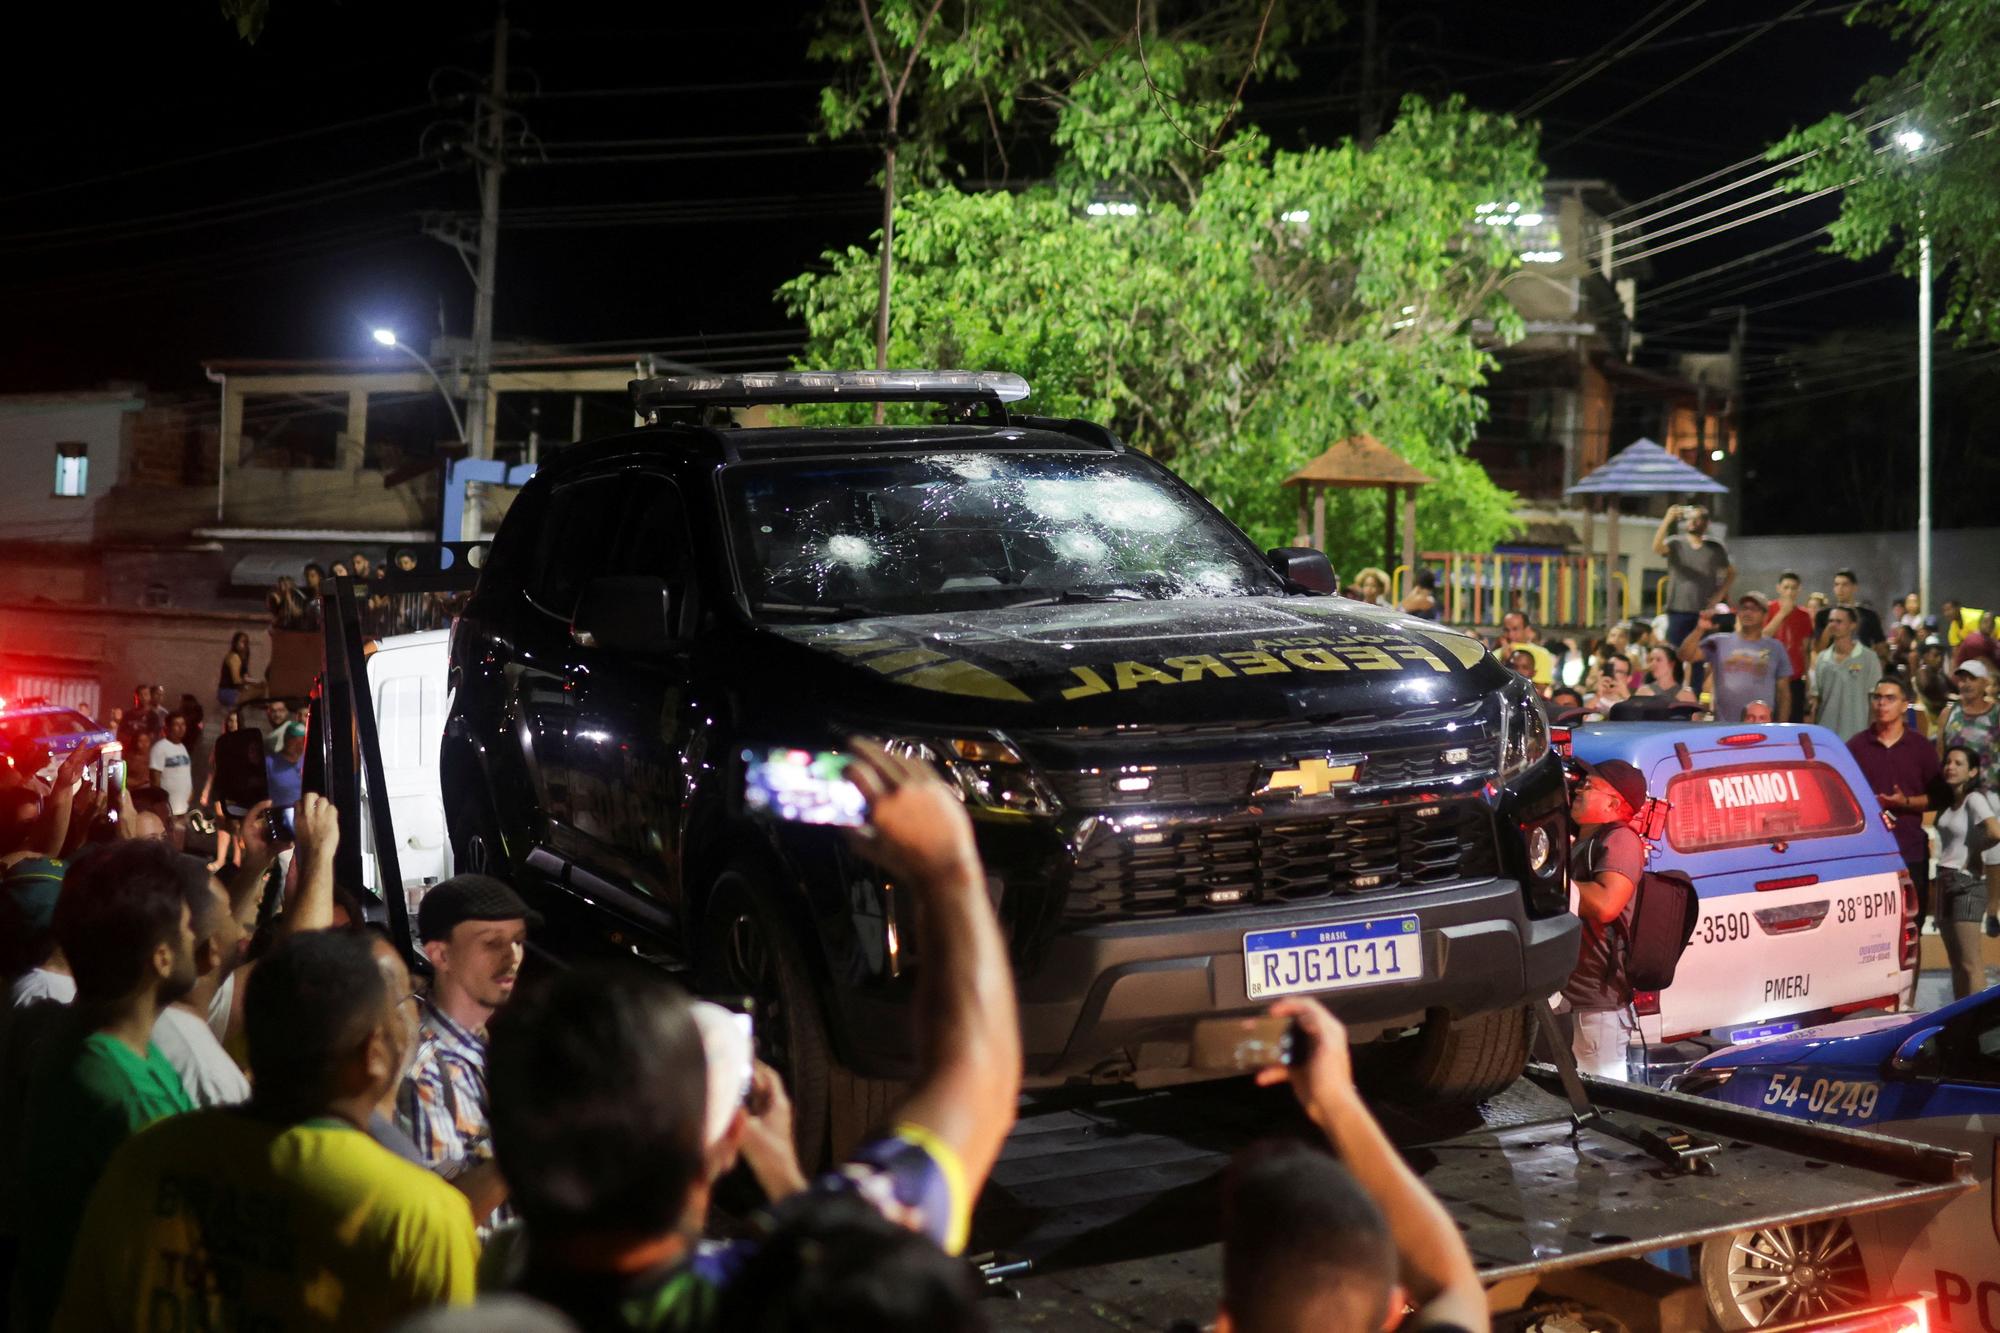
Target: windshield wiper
[(815, 610), (1068, 597)]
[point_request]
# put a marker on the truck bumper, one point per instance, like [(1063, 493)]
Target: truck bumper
[(1112, 988), (1098, 994)]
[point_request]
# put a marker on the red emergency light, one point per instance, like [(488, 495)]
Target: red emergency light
[(1744, 738), (1912, 1316)]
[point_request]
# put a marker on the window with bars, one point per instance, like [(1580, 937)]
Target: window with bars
[(72, 468)]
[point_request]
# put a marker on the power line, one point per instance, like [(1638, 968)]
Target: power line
[(1813, 295), (1731, 225), (213, 153), (1710, 296), (1657, 292), (1687, 74), (1598, 66)]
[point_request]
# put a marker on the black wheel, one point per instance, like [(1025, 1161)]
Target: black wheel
[(748, 950), (1466, 1060)]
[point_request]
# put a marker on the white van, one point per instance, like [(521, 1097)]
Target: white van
[(406, 678)]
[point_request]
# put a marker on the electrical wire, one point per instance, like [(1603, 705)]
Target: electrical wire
[(1813, 295), (1794, 202), (1598, 66), (214, 153), (1662, 289), (1686, 74), (311, 195)]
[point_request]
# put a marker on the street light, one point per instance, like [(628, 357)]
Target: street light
[(387, 338), (1913, 142)]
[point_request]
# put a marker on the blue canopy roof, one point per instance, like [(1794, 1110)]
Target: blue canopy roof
[(1644, 468)]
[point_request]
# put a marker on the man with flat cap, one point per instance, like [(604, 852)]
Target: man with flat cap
[(474, 930), (1606, 861)]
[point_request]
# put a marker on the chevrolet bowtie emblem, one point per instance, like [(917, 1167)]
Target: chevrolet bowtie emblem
[(1313, 777)]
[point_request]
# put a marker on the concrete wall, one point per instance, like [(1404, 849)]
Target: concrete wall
[(122, 646), (31, 425), (1965, 563)]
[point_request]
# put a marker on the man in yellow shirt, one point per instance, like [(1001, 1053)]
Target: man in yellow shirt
[(283, 1213)]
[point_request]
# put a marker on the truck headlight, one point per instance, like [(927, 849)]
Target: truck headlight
[(1524, 733), (987, 772)]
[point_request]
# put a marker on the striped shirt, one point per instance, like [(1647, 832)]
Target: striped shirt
[(442, 1103)]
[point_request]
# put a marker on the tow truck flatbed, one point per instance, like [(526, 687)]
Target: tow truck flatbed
[(1114, 1200), (1103, 1211)]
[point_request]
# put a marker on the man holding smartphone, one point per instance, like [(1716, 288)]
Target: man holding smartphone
[(1699, 575), (1337, 1245)]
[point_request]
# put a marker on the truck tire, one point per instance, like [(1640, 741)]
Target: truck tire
[(749, 949), (1467, 1060), (858, 1107)]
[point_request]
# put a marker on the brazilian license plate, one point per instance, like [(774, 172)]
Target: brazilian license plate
[(1332, 957)]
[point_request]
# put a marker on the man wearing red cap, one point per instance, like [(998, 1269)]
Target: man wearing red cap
[(1606, 860)]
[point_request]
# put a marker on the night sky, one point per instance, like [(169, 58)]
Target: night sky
[(141, 241)]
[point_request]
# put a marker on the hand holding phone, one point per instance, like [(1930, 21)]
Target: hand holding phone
[(802, 787), (1246, 1045)]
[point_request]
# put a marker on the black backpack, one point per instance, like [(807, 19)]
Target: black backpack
[(1665, 909)]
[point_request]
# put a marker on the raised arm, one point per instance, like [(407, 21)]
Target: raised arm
[(969, 1033), (1436, 1267), (1666, 527), (1690, 647), (316, 822)]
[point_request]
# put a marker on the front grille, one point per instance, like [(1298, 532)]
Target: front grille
[(1231, 783), (1176, 784), (1223, 866)]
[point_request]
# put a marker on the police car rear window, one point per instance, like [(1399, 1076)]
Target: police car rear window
[(1746, 804)]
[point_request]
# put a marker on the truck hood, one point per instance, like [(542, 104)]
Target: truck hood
[(1193, 660)]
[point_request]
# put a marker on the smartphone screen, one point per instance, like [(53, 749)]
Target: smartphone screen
[(802, 787)]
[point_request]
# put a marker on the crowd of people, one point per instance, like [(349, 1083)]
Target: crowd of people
[(225, 1103), (296, 604)]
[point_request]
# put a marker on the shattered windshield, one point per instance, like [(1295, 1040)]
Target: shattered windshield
[(827, 538)]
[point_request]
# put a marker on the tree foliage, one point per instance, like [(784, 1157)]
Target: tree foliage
[(1255, 308), (1946, 92)]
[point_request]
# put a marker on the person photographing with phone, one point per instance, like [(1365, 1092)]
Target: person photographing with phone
[(1337, 1243), (1606, 860), (612, 1219), (1700, 575)]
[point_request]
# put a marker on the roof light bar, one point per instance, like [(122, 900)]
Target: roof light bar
[(830, 386)]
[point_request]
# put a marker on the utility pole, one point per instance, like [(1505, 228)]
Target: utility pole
[(490, 152), (1924, 419)]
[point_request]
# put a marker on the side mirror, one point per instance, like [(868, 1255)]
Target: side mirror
[(625, 613), (1918, 1056), (1305, 567)]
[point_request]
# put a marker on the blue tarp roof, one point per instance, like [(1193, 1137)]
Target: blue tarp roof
[(1644, 468)]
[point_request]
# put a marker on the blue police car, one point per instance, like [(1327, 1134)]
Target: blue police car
[(37, 726), (1929, 1077)]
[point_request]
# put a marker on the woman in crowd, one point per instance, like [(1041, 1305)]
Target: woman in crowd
[(315, 585), (1614, 683), (1912, 618), (1966, 829), (235, 677), (1372, 586), (1969, 724), (227, 853), (1421, 600), (1666, 677)]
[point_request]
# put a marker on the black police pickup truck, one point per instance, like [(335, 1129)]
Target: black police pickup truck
[(1199, 780)]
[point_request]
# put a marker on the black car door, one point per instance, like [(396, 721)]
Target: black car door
[(628, 729)]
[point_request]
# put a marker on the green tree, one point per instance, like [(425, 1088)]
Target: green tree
[(1919, 155), (928, 76), (1288, 300)]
